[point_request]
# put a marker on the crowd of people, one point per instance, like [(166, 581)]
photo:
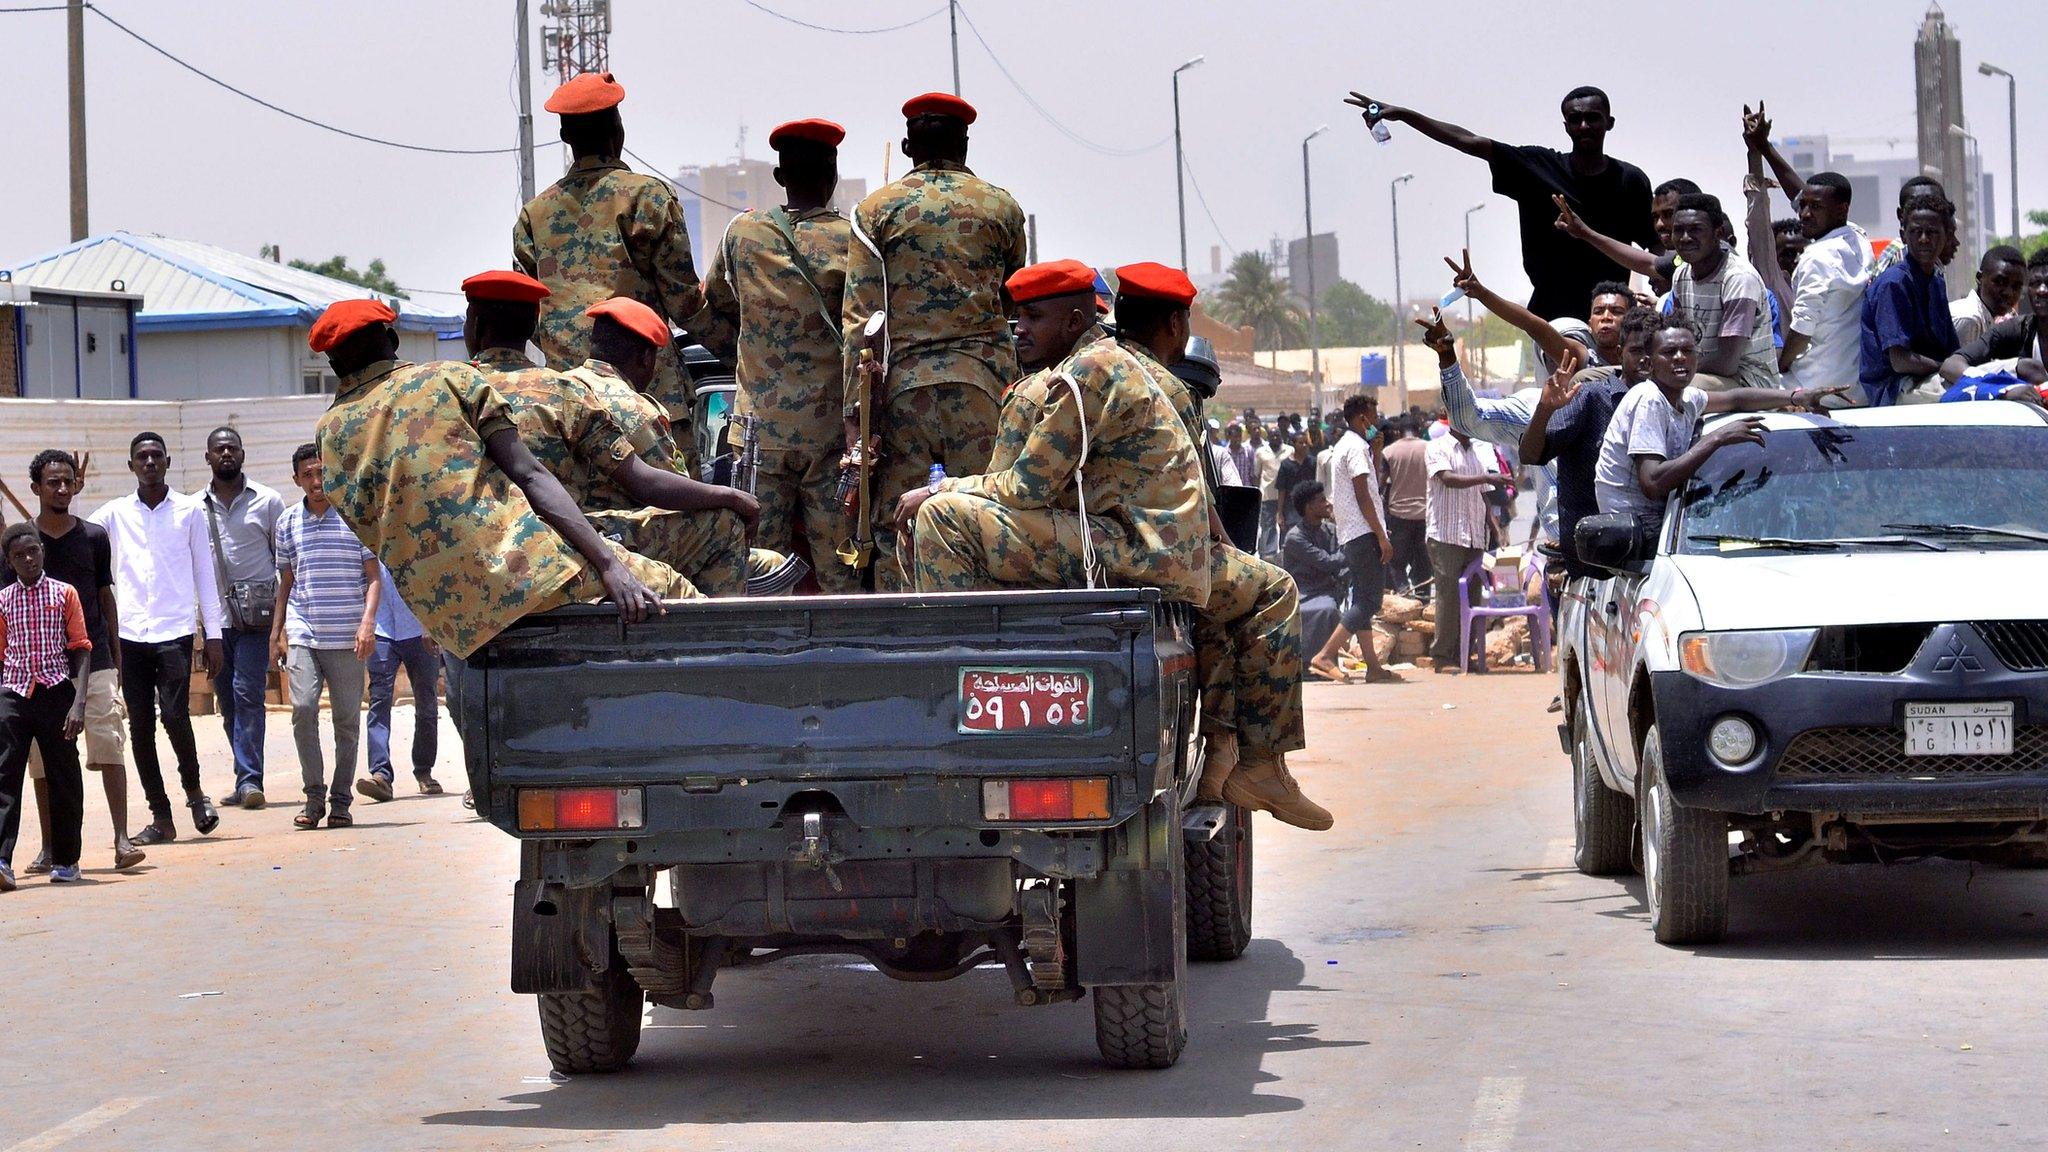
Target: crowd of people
[(104, 615)]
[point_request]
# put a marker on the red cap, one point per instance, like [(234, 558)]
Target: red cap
[(1044, 281), (938, 104), (500, 284), (637, 318), (1155, 281), (344, 318), (816, 131), (590, 92)]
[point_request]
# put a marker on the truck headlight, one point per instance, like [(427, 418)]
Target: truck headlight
[(1745, 659)]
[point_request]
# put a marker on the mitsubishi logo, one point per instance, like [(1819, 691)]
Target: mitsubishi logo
[(1958, 659)]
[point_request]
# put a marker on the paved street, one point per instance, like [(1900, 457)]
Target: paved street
[(1432, 975)]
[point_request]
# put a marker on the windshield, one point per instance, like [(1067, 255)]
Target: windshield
[(1842, 484)]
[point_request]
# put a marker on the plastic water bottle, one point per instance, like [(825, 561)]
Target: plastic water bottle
[(1380, 131), (938, 473)]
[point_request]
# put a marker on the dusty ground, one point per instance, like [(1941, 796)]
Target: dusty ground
[(1432, 974)]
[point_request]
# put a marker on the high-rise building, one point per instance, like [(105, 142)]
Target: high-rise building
[(723, 191), (1874, 182), (1945, 153)]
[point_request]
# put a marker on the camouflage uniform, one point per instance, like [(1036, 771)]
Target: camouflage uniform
[(783, 337), (403, 449), (643, 417), (1148, 511), (603, 231), (1248, 637), (948, 240)]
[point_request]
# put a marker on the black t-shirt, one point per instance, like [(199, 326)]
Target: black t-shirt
[(1614, 203), (1292, 472), (2016, 339), (84, 559)]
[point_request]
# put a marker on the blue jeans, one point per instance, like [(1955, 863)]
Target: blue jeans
[(1269, 527), (238, 694), (423, 671)]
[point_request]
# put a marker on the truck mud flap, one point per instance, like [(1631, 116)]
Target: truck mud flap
[(561, 937), (1125, 930)]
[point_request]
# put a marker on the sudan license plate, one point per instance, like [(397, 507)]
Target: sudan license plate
[(1978, 728), (996, 700)]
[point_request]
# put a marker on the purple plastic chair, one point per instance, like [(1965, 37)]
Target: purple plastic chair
[(1533, 606)]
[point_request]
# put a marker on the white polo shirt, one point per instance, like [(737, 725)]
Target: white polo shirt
[(163, 567)]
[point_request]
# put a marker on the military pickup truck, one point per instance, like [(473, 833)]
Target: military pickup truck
[(933, 783)]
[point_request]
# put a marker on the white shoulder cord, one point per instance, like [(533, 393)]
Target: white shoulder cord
[(1081, 481), (862, 236)]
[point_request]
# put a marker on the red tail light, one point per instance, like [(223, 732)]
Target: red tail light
[(580, 809)]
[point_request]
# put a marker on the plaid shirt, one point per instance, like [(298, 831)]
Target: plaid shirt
[(43, 622)]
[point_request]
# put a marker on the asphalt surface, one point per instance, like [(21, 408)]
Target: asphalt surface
[(1432, 974)]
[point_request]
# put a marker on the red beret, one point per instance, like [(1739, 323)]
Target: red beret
[(638, 318), (344, 318), (499, 284), (816, 131), (938, 104), (1044, 281), (1155, 281), (589, 92)]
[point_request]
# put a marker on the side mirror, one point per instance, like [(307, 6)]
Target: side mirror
[(1614, 541)]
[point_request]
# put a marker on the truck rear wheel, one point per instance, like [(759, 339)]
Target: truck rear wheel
[(1685, 859), (1146, 1025), (1219, 873), (1603, 819), (594, 1031)]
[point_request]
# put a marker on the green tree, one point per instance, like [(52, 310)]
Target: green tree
[(375, 277), (2028, 245), (1252, 297), (1348, 316)]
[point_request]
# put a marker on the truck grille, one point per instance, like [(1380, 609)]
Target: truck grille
[(2021, 645), (1880, 753)]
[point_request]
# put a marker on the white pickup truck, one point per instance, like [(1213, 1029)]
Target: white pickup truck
[(1835, 649)]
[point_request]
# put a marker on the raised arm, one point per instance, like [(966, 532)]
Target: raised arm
[(1627, 255), (1558, 391), (1756, 134), (1494, 421), (1769, 399), (1547, 339), (1451, 135)]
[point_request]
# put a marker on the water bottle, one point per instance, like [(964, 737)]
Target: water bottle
[(938, 473), (1380, 131)]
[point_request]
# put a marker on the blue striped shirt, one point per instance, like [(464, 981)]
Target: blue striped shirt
[(329, 590)]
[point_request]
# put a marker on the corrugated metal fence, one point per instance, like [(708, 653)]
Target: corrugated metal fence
[(271, 427)]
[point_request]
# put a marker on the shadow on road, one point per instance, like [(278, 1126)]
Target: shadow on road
[(861, 1048)]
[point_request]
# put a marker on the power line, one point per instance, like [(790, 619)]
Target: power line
[(62, 7), (1049, 118), (843, 31), (662, 176), (1204, 202), (215, 80)]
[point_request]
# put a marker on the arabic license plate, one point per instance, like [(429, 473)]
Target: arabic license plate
[(1980, 728), (996, 700)]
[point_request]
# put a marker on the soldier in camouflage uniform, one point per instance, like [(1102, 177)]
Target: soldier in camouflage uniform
[(1018, 527), (603, 230), (575, 432), (424, 464), (933, 250), (772, 309), (1248, 636)]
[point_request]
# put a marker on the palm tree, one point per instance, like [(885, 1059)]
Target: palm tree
[(1252, 298)]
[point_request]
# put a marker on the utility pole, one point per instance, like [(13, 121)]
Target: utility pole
[(1031, 238), (525, 82), (74, 20), (1400, 363), (1470, 331), (1180, 192), (1315, 336), (953, 26), (2012, 136)]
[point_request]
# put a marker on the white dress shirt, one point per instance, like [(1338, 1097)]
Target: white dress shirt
[(1827, 308), (163, 567), (1456, 515)]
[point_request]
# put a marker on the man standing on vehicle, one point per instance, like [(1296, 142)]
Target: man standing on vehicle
[(774, 299), (163, 579), (931, 251), (603, 230), (697, 529), (241, 522), (476, 533)]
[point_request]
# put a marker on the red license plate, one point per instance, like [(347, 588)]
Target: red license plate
[(1026, 699)]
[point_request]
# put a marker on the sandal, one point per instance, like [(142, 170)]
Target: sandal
[(309, 819), (1332, 675), (341, 819)]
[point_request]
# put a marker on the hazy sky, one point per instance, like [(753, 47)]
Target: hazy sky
[(174, 155)]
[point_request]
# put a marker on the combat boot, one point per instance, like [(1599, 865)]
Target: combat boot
[(1219, 760), (1263, 784)]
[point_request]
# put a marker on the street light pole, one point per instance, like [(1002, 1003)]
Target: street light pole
[(524, 78), (1400, 367), (1180, 193), (2012, 137), (1469, 337), (1315, 336)]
